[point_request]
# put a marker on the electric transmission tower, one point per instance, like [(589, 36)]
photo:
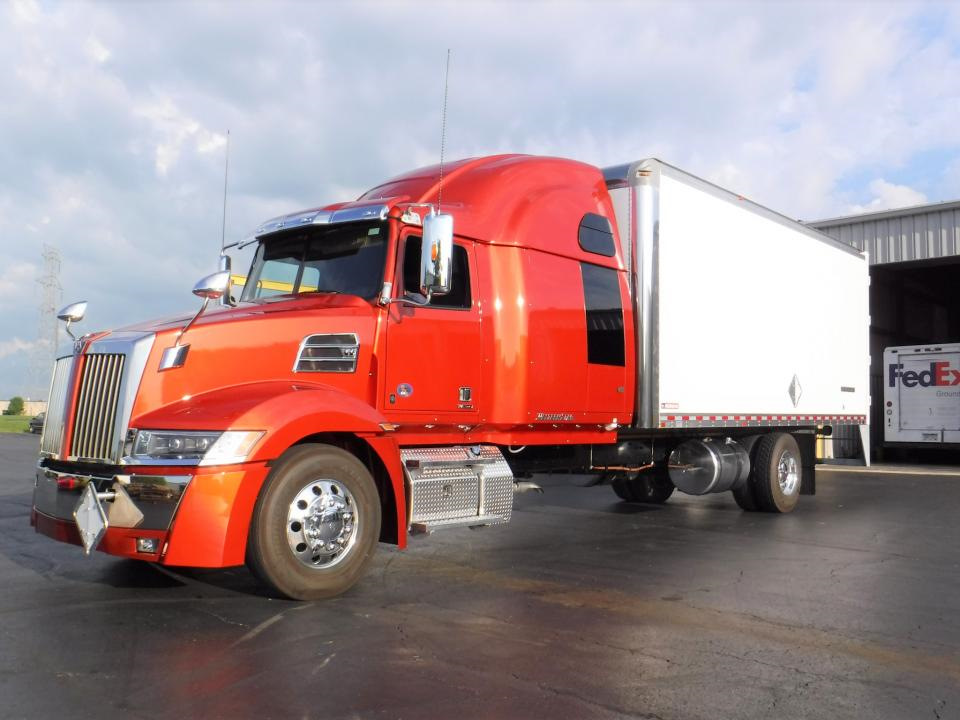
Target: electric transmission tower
[(45, 350)]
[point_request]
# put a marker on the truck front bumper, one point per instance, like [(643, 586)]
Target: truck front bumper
[(198, 520)]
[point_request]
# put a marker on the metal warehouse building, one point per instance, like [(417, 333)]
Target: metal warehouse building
[(914, 281)]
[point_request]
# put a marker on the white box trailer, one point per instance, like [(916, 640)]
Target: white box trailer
[(745, 318), (921, 394)]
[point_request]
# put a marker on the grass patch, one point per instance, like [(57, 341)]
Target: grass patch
[(14, 423)]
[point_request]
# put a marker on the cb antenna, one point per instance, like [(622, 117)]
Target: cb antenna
[(443, 129), (223, 222)]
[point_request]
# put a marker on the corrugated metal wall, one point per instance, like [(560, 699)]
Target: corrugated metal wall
[(926, 232), (920, 233)]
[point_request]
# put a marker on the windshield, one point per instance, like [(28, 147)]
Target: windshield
[(346, 259)]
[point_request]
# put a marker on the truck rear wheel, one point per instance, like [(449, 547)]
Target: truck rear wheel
[(653, 486), (316, 523), (776, 473)]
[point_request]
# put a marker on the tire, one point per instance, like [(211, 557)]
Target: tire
[(776, 473), (315, 525), (745, 497), (653, 487)]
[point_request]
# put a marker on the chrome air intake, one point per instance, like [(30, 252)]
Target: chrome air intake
[(328, 352)]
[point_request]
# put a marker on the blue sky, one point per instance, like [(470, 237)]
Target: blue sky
[(114, 118)]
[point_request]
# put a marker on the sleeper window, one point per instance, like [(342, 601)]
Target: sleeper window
[(601, 291)]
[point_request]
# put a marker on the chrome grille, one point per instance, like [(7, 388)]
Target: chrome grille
[(335, 352), (95, 424), (52, 439)]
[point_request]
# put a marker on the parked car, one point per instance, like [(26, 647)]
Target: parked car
[(36, 423)]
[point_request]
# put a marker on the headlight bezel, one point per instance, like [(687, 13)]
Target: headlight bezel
[(203, 448)]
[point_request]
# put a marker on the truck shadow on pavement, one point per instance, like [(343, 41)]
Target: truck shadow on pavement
[(39, 555), (233, 579)]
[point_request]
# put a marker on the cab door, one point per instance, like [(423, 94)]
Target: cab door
[(433, 355)]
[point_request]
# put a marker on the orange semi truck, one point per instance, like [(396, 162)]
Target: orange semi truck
[(395, 364)]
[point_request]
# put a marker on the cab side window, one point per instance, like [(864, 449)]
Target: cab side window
[(459, 295)]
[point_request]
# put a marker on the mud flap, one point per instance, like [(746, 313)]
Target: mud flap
[(807, 442)]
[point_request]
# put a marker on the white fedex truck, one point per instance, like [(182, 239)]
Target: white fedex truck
[(921, 395)]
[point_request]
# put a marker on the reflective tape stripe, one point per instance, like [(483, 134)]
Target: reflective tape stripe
[(695, 421)]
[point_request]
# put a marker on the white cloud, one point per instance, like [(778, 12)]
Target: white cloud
[(17, 284), (26, 11), (113, 148), (95, 50), (15, 345), (887, 196), (173, 129)]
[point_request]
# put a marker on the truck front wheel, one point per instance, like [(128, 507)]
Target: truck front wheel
[(316, 523), (653, 486), (775, 473)]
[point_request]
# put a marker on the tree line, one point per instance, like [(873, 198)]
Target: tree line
[(15, 407)]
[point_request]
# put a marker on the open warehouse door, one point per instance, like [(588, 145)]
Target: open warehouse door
[(914, 303)]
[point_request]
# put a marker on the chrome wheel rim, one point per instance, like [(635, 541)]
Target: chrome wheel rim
[(322, 524), (788, 473)]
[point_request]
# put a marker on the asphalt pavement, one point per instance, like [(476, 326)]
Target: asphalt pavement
[(582, 607)]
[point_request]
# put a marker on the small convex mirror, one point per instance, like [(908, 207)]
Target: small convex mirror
[(212, 286), (436, 253), (73, 312)]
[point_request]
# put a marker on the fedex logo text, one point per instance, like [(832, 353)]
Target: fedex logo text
[(939, 374)]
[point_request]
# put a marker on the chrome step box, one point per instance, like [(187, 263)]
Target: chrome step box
[(457, 485)]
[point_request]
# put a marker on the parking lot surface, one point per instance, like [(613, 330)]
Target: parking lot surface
[(584, 606)]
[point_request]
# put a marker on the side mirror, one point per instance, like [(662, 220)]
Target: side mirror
[(72, 313), (213, 286), (436, 254), (209, 288), (226, 266)]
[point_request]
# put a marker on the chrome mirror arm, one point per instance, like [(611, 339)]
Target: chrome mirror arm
[(72, 313), (206, 301), (385, 300), (212, 287)]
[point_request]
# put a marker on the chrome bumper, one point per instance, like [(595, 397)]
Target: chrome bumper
[(56, 494)]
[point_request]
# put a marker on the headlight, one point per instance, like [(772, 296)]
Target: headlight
[(184, 447), (231, 447)]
